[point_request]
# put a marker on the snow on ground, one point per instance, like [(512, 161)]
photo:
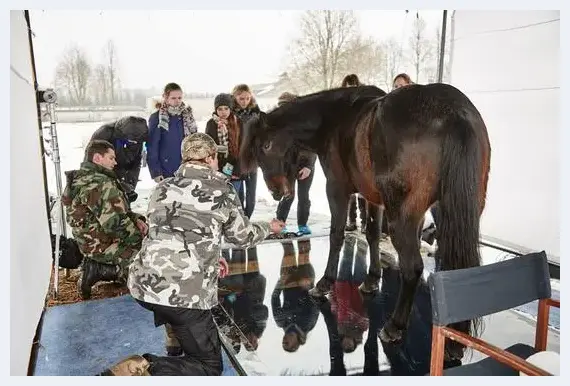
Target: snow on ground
[(73, 137)]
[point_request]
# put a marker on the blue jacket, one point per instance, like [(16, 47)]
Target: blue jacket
[(163, 147)]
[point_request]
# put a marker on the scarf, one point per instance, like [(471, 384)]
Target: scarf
[(166, 111), (224, 133)]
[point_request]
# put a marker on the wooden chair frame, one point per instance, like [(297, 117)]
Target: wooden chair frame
[(440, 333)]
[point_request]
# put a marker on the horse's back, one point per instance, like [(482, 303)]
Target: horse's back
[(428, 110)]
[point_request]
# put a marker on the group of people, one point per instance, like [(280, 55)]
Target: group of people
[(171, 259)]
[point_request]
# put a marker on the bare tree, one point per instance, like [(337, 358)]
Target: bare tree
[(112, 71), (392, 60), (100, 85), (434, 62), (316, 55), (421, 48), (73, 74), (364, 57)]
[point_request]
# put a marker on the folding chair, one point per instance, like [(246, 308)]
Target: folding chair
[(470, 293)]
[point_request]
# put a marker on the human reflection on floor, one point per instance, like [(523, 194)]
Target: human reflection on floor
[(295, 334)]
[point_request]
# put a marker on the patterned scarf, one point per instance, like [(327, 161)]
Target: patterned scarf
[(166, 111), (228, 136)]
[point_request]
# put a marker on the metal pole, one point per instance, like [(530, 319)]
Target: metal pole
[(442, 48), (50, 97)]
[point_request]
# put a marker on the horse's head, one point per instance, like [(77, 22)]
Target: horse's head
[(274, 150)]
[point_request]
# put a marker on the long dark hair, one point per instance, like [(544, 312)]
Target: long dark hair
[(351, 80)]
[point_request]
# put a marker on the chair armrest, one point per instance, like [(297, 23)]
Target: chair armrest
[(493, 351)]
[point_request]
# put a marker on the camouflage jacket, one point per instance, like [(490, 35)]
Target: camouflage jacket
[(188, 214), (98, 212)]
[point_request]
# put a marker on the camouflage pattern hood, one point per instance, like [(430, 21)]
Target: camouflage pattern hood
[(179, 260)]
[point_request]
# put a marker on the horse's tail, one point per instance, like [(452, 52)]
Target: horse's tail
[(459, 202)]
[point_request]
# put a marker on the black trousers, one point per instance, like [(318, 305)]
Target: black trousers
[(303, 202), (198, 337), (250, 191)]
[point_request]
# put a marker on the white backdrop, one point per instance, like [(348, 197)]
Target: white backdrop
[(507, 62), (30, 254)]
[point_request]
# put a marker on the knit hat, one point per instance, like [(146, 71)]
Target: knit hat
[(198, 146), (285, 97), (223, 100)]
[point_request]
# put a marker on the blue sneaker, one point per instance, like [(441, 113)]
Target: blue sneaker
[(284, 230), (304, 230)]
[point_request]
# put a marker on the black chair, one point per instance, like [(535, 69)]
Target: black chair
[(470, 293)]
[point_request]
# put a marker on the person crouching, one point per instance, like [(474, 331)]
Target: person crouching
[(175, 275), (107, 232)]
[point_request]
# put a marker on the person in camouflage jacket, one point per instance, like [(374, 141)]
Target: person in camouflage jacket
[(175, 275), (108, 233)]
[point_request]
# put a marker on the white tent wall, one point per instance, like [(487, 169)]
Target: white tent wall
[(30, 254), (507, 62)]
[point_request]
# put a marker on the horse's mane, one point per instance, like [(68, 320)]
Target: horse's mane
[(303, 106)]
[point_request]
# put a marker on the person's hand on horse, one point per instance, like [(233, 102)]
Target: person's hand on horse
[(224, 268), (276, 226), (143, 228), (158, 179), (304, 173)]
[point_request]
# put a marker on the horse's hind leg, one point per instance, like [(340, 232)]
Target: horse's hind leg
[(404, 234), (338, 203), (373, 226)]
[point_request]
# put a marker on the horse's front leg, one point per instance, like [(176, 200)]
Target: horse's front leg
[(373, 227), (338, 204)]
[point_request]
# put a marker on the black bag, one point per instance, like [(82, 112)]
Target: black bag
[(70, 257)]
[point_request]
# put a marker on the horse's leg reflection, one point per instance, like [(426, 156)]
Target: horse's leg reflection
[(373, 226)]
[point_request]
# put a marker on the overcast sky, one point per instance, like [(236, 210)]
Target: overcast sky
[(201, 50)]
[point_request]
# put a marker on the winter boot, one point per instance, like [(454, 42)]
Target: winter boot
[(94, 272), (173, 348), (135, 365)]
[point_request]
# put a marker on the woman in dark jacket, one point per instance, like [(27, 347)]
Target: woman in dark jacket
[(245, 108), (167, 128), (224, 128)]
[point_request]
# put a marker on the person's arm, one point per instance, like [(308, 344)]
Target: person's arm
[(212, 130), (238, 230), (107, 203), (153, 147)]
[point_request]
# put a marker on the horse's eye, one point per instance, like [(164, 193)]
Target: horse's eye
[(267, 145)]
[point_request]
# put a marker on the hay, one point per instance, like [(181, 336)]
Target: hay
[(67, 289)]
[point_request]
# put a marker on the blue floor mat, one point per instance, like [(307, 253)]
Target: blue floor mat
[(86, 338)]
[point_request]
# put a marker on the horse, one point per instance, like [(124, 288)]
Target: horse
[(403, 151)]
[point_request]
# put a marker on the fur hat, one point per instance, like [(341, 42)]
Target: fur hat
[(285, 97), (198, 146), (223, 100)]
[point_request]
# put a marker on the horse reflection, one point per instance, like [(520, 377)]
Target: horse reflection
[(346, 300), (344, 314), (297, 313), (412, 356), (241, 294)]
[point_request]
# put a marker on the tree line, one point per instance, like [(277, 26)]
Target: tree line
[(330, 46)]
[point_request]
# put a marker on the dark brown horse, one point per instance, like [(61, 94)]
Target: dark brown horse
[(402, 151)]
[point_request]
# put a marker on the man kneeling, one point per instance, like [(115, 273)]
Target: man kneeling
[(175, 275), (108, 233)]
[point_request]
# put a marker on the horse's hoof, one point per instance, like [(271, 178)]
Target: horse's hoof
[(390, 334), (369, 285), (322, 289)]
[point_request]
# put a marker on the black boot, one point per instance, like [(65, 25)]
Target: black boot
[(94, 272)]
